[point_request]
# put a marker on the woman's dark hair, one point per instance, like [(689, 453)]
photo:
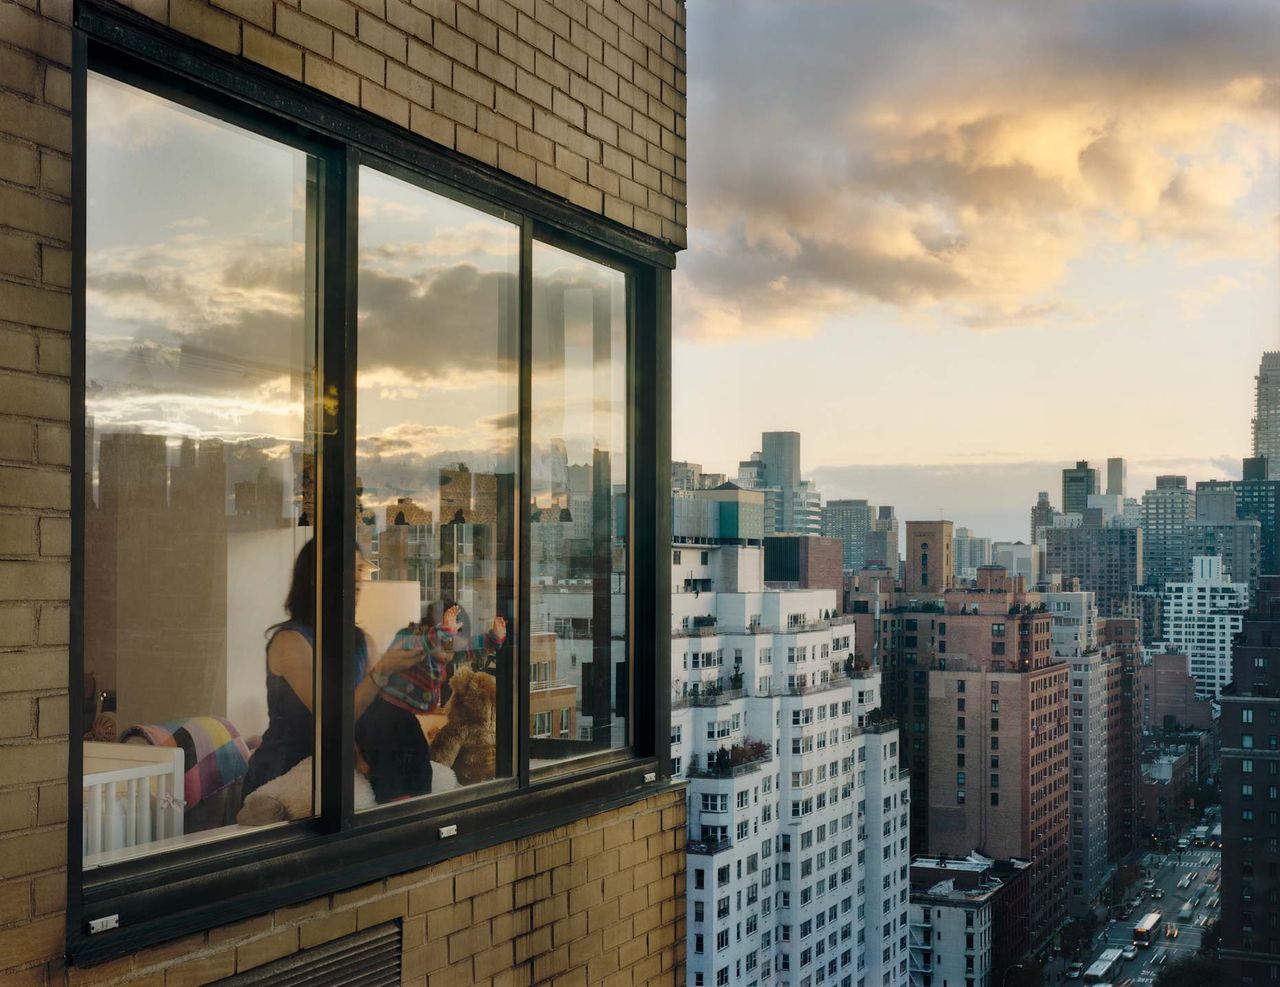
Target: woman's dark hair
[(300, 603)]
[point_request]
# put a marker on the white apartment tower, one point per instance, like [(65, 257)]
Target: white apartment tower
[(1266, 413), (1201, 617), (798, 806)]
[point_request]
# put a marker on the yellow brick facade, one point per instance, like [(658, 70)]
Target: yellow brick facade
[(583, 99)]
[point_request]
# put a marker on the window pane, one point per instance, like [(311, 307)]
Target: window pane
[(578, 524), (436, 467), (200, 348)]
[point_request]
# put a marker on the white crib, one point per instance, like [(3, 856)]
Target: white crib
[(133, 795)]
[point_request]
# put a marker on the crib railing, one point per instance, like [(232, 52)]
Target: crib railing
[(133, 795)]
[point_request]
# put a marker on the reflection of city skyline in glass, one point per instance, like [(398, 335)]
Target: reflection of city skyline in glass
[(199, 354)]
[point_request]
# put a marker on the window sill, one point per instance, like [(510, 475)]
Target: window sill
[(156, 905)]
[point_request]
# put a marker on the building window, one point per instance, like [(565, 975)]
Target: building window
[(272, 542)]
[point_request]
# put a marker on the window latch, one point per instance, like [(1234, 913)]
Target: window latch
[(104, 924)]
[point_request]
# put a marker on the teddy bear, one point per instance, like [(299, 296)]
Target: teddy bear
[(467, 743), (289, 796)]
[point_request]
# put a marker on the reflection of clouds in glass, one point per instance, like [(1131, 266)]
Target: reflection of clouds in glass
[(482, 244), (195, 273), (416, 440), (194, 285), (124, 119), (397, 384)]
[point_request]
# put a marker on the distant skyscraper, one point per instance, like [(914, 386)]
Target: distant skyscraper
[(1218, 531), (781, 454), (1117, 476), (685, 475), (850, 521), (1077, 483), (1041, 516), (792, 505), (882, 539), (1266, 413), (969, 551), (1167, 511), (1107, 561)]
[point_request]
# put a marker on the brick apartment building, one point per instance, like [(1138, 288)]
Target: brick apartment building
[(998, 772), (1250, 757), (187, 322)]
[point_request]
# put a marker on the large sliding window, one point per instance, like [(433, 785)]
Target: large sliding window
[(365, 471), (437, 456), (199, 389), (578, 506)]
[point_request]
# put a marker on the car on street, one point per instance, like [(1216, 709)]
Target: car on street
[(1074, 971), (1157, 893), (1171, 931), (1130, 952)]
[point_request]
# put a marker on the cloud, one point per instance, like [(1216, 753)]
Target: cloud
[(959, 158)]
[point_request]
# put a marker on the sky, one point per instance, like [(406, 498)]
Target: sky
[(959, 246)]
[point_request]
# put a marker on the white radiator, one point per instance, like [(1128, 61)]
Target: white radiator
[(133, 795)]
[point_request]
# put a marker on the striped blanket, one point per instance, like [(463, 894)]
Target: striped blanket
[(214, 755)]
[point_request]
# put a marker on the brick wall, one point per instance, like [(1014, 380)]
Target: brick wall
[(583, 98), (600, 901)]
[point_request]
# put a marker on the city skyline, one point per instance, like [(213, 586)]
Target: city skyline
[(993, 203)]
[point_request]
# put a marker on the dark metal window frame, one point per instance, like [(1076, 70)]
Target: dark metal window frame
[(167, 895)]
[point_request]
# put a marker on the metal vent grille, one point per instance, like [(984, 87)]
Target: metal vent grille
[(367, 959)]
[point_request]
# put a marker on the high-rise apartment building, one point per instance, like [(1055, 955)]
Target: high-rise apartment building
[(1167, 512), (1250, 739), (1117, 476), (1106, 560), (1089, 872), (1201, 618), (1120, 642), (910, 633), (798, 806), (930, 564), (1258, 496), (850, 521), (1266, 413), (998, 765), (1078, 482), (1217, 530)]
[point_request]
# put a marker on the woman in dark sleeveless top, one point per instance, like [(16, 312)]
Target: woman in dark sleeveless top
[(393, 750)]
